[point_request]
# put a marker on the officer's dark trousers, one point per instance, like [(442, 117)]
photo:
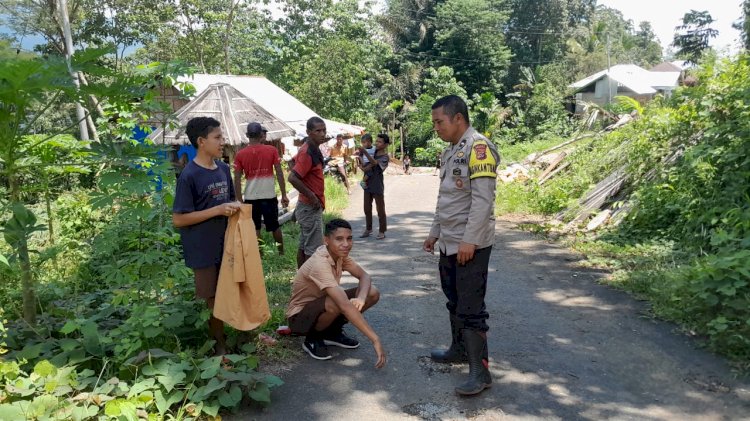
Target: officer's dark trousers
[(465, 286)]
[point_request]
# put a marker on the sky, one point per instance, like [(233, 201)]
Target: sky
[(665, 15)]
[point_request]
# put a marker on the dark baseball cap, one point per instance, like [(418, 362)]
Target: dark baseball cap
[(254, 129)]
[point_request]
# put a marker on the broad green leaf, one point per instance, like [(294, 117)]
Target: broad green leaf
[(80, 413), (235, 358), (172, 378), (44, 368), (68, 344), (121, 408), (273, 381), (69, 327), (141, 386), (91, 338), (215, 384), (43, 405), (211, 408), (174, 320), (261, 393), (11, 412), (30, 352), (231, 398), (153, 331), (210, 367)]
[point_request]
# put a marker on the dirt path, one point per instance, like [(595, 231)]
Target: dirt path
[(561, 345)]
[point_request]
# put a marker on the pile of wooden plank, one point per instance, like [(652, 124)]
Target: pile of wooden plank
[(604, 203), (598, 197)]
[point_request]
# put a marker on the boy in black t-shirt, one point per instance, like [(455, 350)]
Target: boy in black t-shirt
[(202, 203)]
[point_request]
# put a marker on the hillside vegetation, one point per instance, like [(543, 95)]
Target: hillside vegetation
[(685, 243)]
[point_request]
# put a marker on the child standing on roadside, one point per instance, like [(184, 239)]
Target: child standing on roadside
[(362, 159), (203, 201)]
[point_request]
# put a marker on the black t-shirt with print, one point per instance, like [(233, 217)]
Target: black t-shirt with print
[(198, 189)]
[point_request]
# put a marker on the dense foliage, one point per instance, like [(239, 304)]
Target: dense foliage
[(685, 242), (120, 332), (370, 65), (694, 36), (98, 310)]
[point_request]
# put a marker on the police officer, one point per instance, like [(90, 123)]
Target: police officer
[(465, 225)]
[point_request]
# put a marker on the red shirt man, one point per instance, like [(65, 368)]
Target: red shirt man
[(310, 171), (307, 178), (257, 162)]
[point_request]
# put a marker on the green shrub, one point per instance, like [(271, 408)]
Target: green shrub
[(182, 386), (689, 179)]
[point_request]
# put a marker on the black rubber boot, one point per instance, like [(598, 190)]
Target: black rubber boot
[(456, 353), (479, 373)]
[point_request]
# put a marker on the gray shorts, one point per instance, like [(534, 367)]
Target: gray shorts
[(310, 222)]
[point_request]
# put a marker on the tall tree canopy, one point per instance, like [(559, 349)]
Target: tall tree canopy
[(537, 31), (693, 36), (469, 37), (610, 39), (743, 25)]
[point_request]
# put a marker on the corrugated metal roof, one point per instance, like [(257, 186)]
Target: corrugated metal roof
[(635, 78)]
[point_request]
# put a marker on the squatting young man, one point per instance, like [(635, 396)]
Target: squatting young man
[(319, 306)]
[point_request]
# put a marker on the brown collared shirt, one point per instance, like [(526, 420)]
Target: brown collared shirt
[(319, 272)]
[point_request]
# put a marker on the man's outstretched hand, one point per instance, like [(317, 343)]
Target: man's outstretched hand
[(380, 352)]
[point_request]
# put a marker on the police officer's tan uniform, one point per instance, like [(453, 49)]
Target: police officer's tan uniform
[(466, 199), (465, 212)]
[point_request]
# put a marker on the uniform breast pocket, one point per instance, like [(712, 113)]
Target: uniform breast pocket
[(460, 177)]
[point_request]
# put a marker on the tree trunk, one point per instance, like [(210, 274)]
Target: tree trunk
[(48, 203), (94, 100), (92, 127), (27, 278), (27, 282), (62, 8), (227, 33)]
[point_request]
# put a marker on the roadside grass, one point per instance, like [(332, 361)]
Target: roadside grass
[(510, 153), (654, 270), (657, 272), (525, 197), (514, 198), (279, 272), (642, 269)]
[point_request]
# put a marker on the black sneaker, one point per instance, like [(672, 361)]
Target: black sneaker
[(316, 349), (341, 340)]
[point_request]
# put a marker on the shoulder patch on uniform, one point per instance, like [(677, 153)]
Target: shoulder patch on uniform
[(482, 162)]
